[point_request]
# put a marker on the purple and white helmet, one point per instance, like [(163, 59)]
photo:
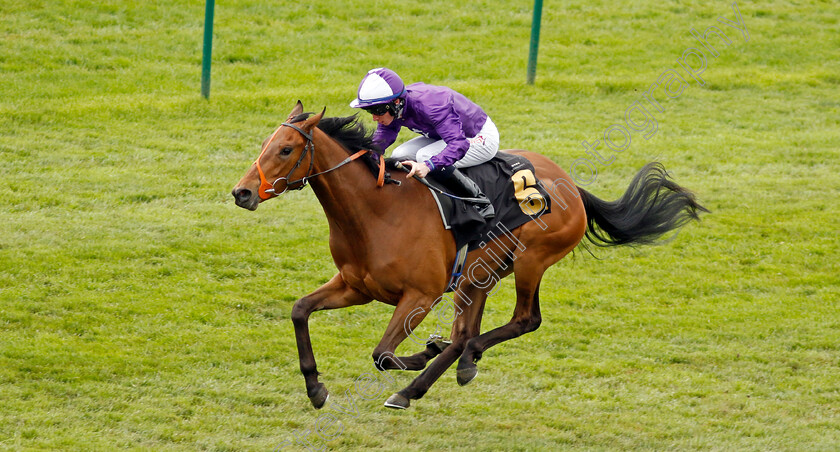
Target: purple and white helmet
[(380, 85)]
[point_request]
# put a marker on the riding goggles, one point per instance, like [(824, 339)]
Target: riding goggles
[(378, 110)]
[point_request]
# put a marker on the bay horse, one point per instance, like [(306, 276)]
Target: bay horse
[(409, 267)]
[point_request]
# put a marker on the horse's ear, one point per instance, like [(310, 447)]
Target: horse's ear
[(295, 111), (313, 121)]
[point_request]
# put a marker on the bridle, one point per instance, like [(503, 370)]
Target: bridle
[(267, 190)]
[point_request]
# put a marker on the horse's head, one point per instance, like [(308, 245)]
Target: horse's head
[(284, 163)]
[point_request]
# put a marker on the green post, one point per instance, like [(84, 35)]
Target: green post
[(535, 41), (208, 48)]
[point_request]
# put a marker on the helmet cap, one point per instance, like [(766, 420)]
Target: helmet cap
[(380, 85)]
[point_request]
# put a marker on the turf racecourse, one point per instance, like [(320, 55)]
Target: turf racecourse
[(140, 309)]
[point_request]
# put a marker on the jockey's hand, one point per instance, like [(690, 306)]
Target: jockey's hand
[(418, 168)]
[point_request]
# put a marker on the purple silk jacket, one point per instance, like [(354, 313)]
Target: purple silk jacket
[(439, 113)]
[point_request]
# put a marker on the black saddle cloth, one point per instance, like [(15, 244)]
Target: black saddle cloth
[(499, 179)]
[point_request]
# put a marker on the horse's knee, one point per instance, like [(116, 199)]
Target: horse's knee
[(526, 324), (533, 323), (300, 312)]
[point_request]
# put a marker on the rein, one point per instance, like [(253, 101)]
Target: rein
[(423, 181), (268, 188)]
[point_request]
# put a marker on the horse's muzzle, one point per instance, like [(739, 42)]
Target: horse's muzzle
[(245, 198)]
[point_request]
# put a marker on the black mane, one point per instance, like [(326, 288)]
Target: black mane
[(349, 131), (353, 136)]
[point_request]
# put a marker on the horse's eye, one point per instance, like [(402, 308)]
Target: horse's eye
[(286, 151)]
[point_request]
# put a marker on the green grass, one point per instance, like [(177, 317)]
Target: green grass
[(140, 309)]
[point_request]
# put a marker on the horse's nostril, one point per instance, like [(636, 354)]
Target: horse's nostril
[(242, 194)]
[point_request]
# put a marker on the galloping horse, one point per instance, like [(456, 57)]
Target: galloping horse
[(410, 272)]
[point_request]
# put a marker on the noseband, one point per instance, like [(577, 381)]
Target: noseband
[(269, 190)]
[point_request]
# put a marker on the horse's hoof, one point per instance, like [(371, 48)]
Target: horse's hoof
[(320, 397), (397, 402), (466, 375)]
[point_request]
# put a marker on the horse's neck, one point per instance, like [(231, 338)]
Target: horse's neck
[(348, 194)]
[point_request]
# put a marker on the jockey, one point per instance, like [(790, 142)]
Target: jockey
[(456, 133)]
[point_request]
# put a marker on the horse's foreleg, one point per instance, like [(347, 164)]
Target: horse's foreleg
[(332, 295), (466, 325), (410, 311), (435, 345)]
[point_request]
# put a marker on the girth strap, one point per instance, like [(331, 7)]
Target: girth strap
[(457, 269)]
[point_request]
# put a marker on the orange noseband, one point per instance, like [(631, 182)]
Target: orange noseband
[(264, 185)]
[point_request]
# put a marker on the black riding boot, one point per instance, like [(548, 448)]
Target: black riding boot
[(466, 187)]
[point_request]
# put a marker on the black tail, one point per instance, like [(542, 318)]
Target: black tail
[(651, 206)]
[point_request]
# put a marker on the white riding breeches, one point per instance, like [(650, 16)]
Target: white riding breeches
[(483, 147)]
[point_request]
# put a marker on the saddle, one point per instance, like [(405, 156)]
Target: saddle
[(509, 182)]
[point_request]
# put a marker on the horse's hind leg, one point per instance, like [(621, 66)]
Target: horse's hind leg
[(526, 318), (435, 345), (466, 325)]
